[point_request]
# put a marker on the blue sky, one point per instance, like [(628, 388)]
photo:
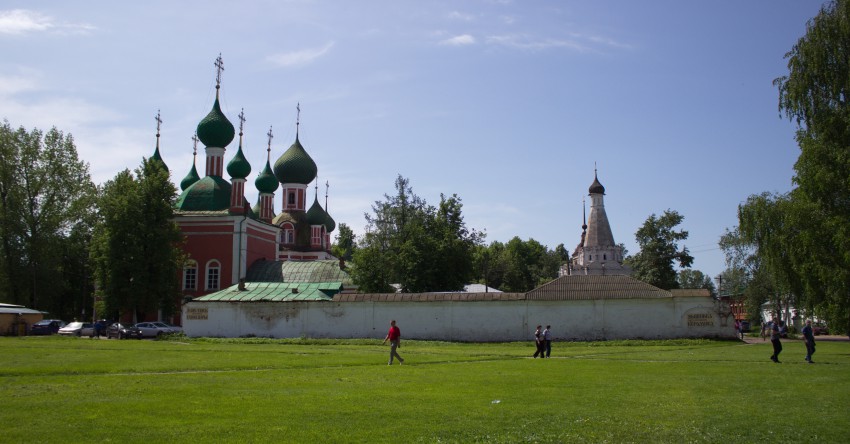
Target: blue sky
[(508, 104)]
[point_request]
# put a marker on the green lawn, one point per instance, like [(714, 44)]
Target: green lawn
[(76, 390)]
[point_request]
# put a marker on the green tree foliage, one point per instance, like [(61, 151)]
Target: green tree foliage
[(136, 249), (688, 278), (46, 202), (418, 246), (346, 243), (518, 266), (659, 248), (815, 95)]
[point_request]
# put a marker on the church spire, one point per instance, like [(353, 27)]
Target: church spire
[(156, 156), (219, 67)]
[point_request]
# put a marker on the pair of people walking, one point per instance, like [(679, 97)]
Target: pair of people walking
[(543, 341)]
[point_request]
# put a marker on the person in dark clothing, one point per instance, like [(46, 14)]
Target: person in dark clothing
[(538, 342), (774, 339), (547, 340), (809, 338)]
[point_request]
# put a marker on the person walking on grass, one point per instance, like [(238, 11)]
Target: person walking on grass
[(809, 338), (538, 342), (774, 339), (394, 336), (547, 340)]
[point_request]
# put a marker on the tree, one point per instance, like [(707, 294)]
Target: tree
[(815, 95), (46, 202), (518, 266), (688, 278), (346, 243), (659, 248), (415, 245), (136, 249)]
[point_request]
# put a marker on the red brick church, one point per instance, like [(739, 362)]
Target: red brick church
[(224, 234)]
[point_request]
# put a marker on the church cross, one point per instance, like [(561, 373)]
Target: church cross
[(271, 136), (195, 144), (158, 122), (241, 120), (297, 118), (219, 67)]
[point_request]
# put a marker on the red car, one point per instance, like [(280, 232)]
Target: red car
[(820, 329)]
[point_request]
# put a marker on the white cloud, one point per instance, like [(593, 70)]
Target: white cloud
[(299, 58), (460, 40), (14, 84), (455, 15), (576, 42), (22, 21)]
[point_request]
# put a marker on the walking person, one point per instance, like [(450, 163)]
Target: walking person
[(774, 339), (809, 338), (538, 341), (394, 336), (547, 340), (738, 331)]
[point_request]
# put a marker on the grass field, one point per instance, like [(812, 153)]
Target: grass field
[(73, 390)]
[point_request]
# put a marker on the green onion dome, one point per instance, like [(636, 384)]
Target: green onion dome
[(215, 130), (258, 207), (238, 167), (190, 178), (316, 214), (158, 158), (212, 193), (330, 223), (266, 182), (295, 165)]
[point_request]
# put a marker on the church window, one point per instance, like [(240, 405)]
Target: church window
[(604, 257), (190, 276), (317, 236), (291, 199), (213, 275), (288, 234), (590, 257)]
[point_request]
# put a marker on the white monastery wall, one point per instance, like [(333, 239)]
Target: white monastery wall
[(602, 319)]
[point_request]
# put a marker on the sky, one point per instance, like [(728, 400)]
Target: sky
[(509, 104)]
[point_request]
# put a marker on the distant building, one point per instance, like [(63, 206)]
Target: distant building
[(596, 253)]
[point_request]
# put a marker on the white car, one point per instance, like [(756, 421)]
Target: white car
[(77, 329), (156, 329)]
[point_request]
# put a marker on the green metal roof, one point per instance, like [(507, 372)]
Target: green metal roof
[(190, 178), (266, 182), (297, 272), (238, 167), (276, 292), (215, 130), (295, 165), (212, 193)]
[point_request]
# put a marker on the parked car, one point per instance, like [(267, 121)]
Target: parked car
[(155, 329), (46, 327), (121, 331), (820, 329), (77, 329)]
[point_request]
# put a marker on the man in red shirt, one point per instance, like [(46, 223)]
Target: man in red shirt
[(394, 336)]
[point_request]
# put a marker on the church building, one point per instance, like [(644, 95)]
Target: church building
[(224, 235), (596, 253)]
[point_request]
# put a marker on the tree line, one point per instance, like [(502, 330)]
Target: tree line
[(793, 249)]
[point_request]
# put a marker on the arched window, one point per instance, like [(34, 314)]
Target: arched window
[(190, 275), (213, 275), (288, 234), (291, 199)]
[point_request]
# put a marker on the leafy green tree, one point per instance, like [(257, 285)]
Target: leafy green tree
[(136, 248), (517, 266), (46, 195), (346, 243), (659, 248), (418, 246), (689, 278), (815, 95)]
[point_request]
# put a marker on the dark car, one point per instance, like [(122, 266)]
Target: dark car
[(121, 331), (46, 327)]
